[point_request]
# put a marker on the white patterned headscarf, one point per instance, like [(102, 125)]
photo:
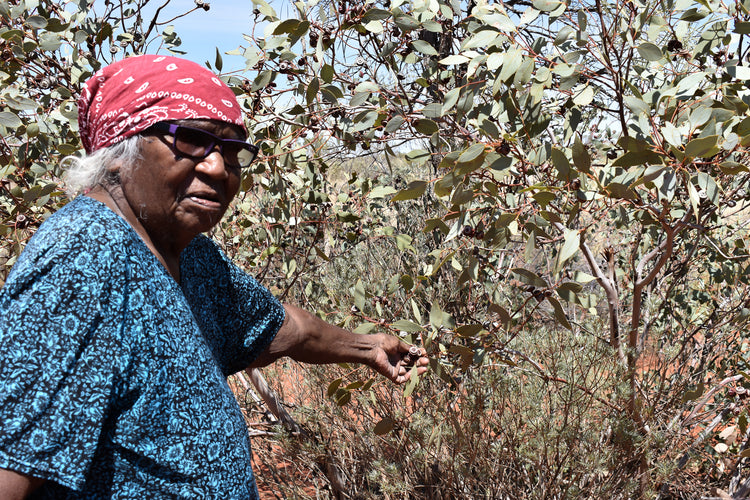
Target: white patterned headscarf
[(127, 97)]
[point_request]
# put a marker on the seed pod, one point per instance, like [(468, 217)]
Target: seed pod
[(674, 45)]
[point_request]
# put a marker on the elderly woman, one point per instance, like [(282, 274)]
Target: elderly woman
[(120, 322)]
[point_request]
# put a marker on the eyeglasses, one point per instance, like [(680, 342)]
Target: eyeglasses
[(197, 144)]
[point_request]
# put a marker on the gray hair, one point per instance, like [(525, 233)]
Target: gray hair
[(103, 166)]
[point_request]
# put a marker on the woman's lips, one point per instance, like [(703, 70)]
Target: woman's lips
[(207, 201)]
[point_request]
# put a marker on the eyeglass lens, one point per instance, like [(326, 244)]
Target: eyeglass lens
[(198, 143)]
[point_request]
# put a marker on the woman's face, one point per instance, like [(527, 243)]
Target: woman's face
[(177, 198)]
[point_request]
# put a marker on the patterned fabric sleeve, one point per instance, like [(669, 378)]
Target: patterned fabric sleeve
[(58, 375), (238, 316)]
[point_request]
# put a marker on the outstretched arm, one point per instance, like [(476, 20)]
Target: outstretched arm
[(14, 485), (306, 338)]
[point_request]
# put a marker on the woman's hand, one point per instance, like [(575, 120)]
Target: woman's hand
[(396, 360), (14, 485)]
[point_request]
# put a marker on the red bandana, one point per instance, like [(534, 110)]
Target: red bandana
[(127, 97)]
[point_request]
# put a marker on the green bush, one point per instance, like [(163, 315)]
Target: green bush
[(551, 198)]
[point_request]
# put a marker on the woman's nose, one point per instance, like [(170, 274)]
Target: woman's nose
[(213, 165)]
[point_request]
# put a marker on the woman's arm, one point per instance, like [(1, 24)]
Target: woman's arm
[(308, 339), (16, 486)]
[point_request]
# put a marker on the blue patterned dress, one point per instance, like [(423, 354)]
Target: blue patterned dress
[(113, 375)]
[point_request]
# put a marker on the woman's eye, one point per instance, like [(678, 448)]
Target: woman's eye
[(196, 138)]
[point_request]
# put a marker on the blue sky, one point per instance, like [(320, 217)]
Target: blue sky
[(202, 31)]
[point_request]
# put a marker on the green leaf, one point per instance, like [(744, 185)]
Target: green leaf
[(218, 62), (709, 186), (327, 73), (733, 168), (621, 191), (584, 97), (702, 147), (546, 5), (66, 149), (424, 47), (407, 282), (471, 153), (650, 52), (376, 15), (406, 326), (403, 242), (637, 106), (37, 22), (287, 26), (359, 295), (334, 386), (411, 384), (365, 328), (693, 14), (563, 35), (366, 87), (581, 157), (561, 163), (394, 124), (559, 312), (375, 27), (10, 120), (406, 22), (415, 189), (383, 427), (49, 42), (381, 192), (437, 316), (425, 126), (418, 155), (529, 277), (343, 397), (359, 98), (544, 198), (569, 248), (469, 330), (672, 134), (483, 38), (451, 98), (312, 90), (262, 80), (650, 174), (454, 60), (568, 291), (694, 394), (433, 110), (489, 129)]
